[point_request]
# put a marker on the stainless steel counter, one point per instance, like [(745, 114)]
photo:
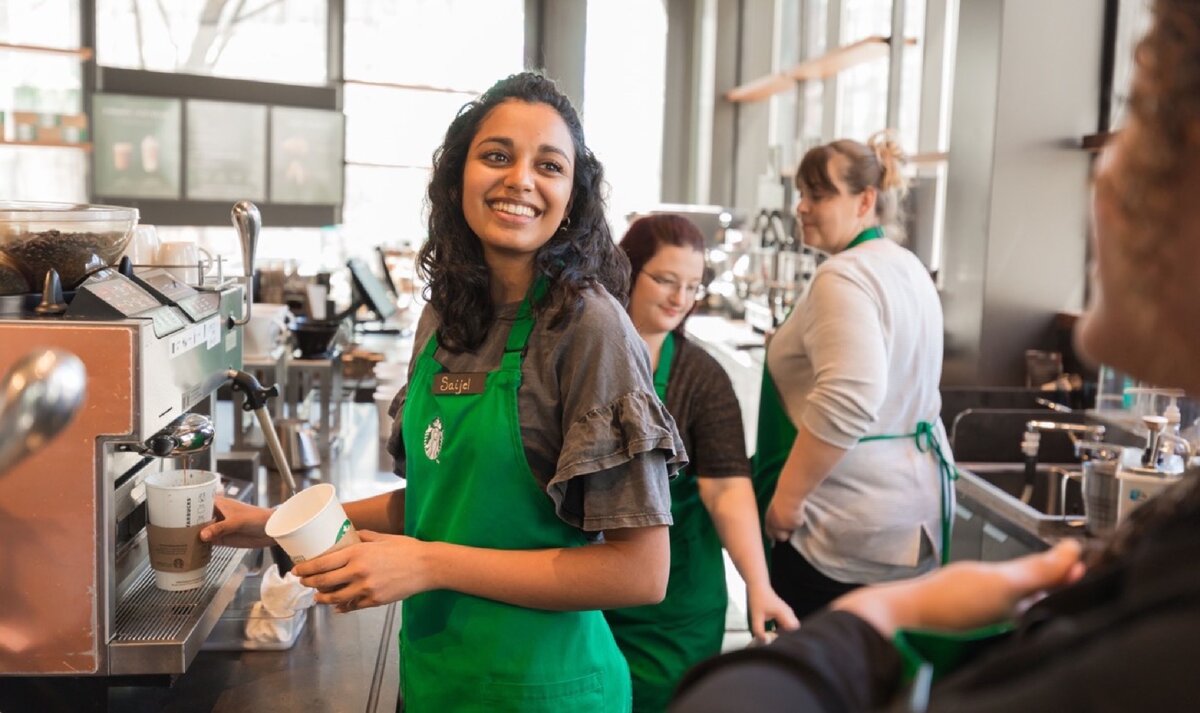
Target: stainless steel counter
[(1001, 506), (340, 662)]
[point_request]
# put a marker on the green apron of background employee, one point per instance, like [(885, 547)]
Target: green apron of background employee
[(470, 484), (662, 641)]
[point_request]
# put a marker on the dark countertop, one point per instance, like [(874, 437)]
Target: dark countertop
[(340, 662)]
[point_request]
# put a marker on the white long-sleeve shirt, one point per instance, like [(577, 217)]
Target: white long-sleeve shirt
[(860, 356)]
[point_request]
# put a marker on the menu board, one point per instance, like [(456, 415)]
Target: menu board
[(226, 151), (137, 146), (307, 149)]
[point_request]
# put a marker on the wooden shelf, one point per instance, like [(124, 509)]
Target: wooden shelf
[(823, 67), (1095, 142), (761, 88), (83, 53), (928, 159), (48, 144), (417, 87)]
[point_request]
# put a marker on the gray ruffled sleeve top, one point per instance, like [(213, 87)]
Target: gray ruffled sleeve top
[(597, 439)]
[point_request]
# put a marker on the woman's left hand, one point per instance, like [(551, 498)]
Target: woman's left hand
[(379, 570), (779, 526), (765, 605)]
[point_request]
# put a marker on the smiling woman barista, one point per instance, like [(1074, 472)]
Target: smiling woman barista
[(502, 567), (712, 501), (849, 415)]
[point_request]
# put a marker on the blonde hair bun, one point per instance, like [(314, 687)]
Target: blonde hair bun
[(891, 157)]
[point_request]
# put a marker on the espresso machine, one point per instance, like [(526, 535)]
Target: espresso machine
[(79, 597)]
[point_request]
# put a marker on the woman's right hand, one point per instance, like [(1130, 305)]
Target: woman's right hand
[(238, 525), (965, 595)]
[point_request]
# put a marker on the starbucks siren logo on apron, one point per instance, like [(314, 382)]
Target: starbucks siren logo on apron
[(433, 439)]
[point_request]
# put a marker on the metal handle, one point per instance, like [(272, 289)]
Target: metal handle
[(40, 394), (1062, 496), (256, 401), (247, 221)]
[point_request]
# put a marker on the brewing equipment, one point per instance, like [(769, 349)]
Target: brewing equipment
[(80, 597)]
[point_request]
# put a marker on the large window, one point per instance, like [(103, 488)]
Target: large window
[(269, 40), (624, 93), (410, 65), (863, 90), (41, 101), (452, 44)]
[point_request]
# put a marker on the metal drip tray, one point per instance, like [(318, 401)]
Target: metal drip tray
[(160, 632)]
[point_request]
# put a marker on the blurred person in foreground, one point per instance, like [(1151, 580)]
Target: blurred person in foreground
[(1124, 635)]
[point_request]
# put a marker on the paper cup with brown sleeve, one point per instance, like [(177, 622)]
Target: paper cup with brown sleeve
[(180, 504), (311, 523)]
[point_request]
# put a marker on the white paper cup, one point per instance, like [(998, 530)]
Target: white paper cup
[(311, 523), (180, 504)]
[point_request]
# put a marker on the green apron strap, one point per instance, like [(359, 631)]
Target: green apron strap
[(518, 336), (926, 439), (873, 233), (662, 372)]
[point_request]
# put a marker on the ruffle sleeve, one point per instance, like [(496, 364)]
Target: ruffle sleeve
[(614, 434)]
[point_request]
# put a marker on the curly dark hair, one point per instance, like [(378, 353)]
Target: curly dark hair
[(580, 254)]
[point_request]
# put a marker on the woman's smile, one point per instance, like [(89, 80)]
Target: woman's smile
[(518, 178)]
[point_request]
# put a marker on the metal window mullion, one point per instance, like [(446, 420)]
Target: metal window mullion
[(936, 77), (704, 62), (829, 98), (895, 64)]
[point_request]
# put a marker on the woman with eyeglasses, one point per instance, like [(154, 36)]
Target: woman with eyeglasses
[(712, 501), (852, 453)]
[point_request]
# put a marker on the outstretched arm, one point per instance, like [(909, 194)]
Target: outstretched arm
[(628, 568)]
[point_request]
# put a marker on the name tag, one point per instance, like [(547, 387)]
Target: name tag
[(458, 384)]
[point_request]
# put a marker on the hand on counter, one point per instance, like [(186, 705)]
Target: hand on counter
[(238, 525), (965, 595), (380, 570)]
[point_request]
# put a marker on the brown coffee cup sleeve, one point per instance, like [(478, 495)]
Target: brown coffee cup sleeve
[(178, 549)]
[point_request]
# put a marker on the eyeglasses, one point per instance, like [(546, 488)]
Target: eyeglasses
[(695, 290)]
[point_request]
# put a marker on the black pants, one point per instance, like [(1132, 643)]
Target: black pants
[(799, 584)]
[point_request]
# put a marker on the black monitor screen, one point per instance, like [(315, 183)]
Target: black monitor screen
[(372, 290)]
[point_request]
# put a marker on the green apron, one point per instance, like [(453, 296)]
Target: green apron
[(470, 484), (776, 434), (662, 641)]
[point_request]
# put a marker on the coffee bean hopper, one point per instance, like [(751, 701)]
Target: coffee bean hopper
[(78, 598)]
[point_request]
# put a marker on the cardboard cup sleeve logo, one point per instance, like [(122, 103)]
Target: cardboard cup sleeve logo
[(178, 549)]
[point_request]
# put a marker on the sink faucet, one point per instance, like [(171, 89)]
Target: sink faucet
[(1032, 439), (1034, 428)]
